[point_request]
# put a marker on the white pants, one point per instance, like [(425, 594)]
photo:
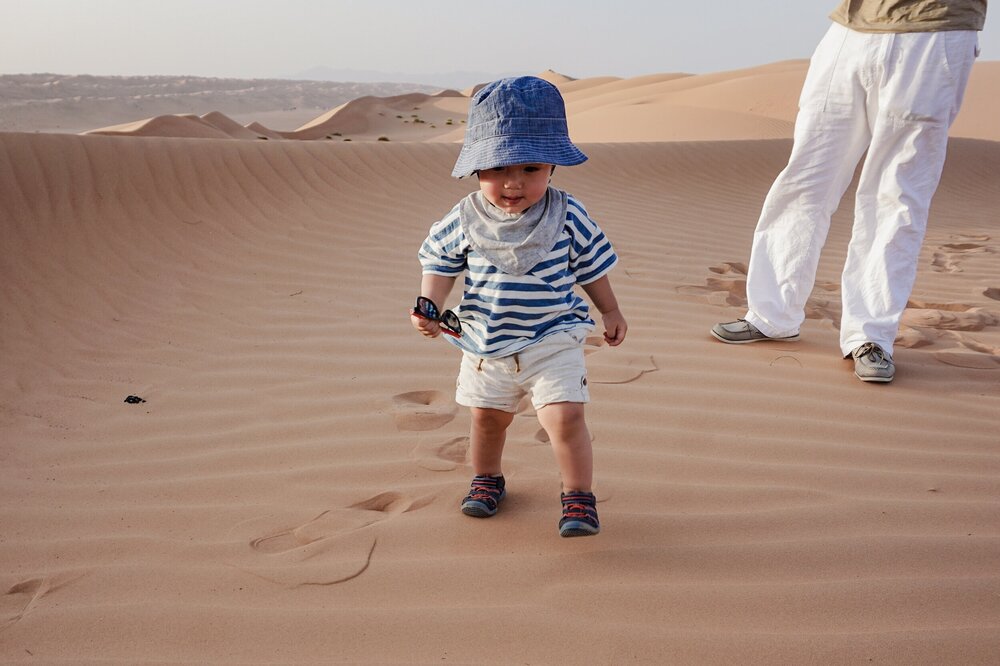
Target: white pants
[(895, 95)]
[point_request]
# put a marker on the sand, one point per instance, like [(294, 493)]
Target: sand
[(287, 490)]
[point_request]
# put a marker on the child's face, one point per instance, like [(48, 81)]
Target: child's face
[(516, 188)]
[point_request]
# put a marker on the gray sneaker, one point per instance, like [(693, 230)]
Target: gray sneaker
[(741, 332), (872, 364)]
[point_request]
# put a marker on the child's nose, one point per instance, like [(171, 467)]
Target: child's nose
[(512, 180)]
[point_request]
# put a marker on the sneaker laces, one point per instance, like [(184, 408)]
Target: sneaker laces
[(580, 507), (484, 489), (575, 510), (871, 349), (481, 494)]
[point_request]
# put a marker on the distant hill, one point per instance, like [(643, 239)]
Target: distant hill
[(72, 103), (455, 80)]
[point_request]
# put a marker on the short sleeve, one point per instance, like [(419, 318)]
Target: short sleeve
[(591, 255), (443, 251)]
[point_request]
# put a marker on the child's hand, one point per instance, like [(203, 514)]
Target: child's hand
[(615, 327), (427, 327)]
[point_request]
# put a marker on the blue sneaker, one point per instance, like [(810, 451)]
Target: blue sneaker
[(484, 496), (579, 515)]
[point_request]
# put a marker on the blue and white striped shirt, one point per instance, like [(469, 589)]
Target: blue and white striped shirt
[(502, 314)]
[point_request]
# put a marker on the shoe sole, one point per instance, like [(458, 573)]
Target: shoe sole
[(790, 338), (477, 510), (480, 510), (577, 529), (874, 380)]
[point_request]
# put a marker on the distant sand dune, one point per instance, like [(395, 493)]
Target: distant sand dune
[(212, 125), (74, 103), (229, 126), (675, 122), (263, 132), (288, 490), (753, 103), (187, 126), (556, 78), (611, 90), (369, 115)]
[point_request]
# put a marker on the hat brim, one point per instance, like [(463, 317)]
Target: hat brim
[(501, 151)]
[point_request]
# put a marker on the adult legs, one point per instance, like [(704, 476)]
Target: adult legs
[(917, 97), (831, 134)]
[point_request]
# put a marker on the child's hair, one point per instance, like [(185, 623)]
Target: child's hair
[(520, 120)]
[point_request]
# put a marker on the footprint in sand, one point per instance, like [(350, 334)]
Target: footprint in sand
[(974, 360), (330, 548), (391, 503), (915, 338), (925, 324), (442, 457), (730, 268), (968, 353), (949, 256), (731, 290), (951, 317), (423, 410), (24, 596), (332, 523), (722, 291)]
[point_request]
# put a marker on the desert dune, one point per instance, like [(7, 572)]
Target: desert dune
[(753, 103), (284, 484)]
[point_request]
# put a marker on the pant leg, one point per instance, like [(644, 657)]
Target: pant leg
[(918, 94), (831, 134)]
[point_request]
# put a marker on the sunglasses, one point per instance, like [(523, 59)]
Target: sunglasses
[(450, 324)]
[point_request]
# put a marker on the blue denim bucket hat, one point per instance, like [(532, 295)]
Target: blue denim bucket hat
[(519, 120)]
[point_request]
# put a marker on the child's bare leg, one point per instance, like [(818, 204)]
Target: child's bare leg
[(486, 440), (567, 429)]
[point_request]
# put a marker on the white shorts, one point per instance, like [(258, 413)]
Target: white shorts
[(551, 370)]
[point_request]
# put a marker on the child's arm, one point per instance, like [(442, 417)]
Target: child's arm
[(436, 288), (603, 296)]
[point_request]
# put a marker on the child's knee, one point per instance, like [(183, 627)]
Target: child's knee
[(491, 419), (564, 416)]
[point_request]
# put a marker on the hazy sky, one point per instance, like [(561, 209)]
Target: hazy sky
[(269, 38)]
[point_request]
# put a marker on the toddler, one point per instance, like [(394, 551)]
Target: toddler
[(522, 245)]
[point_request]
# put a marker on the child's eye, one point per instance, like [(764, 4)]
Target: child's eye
[(531, 169)]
